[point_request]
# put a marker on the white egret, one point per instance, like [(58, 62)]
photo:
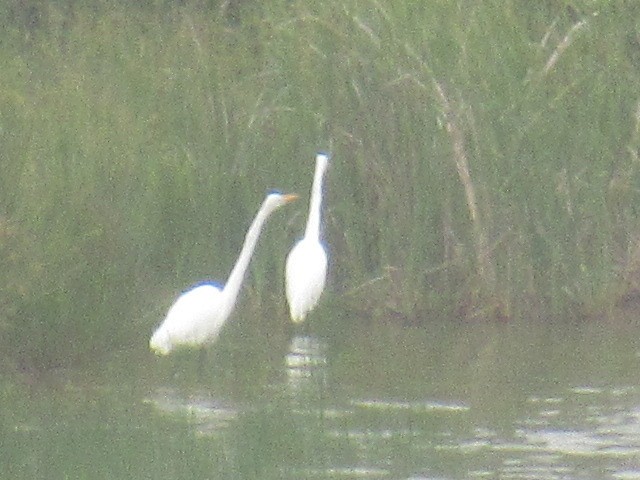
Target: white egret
[(198, 315), (306, 268)]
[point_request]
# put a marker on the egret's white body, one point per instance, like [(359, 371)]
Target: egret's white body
[(197, 316), (306, 267)]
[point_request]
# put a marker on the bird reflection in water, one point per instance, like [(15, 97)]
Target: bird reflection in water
[(306, 365)]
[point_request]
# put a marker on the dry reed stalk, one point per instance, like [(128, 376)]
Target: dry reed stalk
[(486, 272), (562, 46)]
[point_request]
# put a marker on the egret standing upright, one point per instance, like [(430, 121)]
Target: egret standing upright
[(306, 268), (197, 316)]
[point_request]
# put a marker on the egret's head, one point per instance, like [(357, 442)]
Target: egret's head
[(322, 162), (276, 199), (322, 155)]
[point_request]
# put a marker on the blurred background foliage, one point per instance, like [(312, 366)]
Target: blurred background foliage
[(485, 159)]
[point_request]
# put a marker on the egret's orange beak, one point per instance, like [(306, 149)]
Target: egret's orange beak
[(290, 197)]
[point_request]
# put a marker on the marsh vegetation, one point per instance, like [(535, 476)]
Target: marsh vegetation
[(485, 159)]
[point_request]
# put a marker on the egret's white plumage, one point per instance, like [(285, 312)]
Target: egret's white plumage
[(198, 315), (306, 267)]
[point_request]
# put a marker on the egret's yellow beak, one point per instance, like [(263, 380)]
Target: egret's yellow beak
[(290, 197)]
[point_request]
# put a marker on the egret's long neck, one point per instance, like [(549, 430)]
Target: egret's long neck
[(236, 276), (315, 205)]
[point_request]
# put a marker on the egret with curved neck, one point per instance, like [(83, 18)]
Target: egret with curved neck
[(306, 267), (197, 316)]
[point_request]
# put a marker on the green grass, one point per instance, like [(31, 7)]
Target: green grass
[(485, 158)]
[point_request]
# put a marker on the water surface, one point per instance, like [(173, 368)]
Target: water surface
[(536, 401)]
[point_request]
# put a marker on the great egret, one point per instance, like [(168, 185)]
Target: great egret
[(306, 268), (197, 316)]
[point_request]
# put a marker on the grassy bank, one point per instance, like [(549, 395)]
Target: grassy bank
[(486, 158)]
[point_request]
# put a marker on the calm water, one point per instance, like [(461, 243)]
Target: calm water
[(448, 402)]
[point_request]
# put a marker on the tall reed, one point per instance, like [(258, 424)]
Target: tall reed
[(485, 158)]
